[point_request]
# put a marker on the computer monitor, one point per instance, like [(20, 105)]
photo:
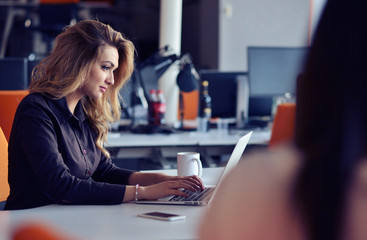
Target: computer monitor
[(13, 72), (223, 90), (272, 71)]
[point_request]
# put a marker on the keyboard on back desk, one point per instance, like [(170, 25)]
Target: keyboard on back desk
[(193, 196)]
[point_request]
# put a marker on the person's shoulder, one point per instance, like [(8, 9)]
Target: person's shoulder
[(255, 194), (33, 98), (359, 178), (280, 163), (33, 101)]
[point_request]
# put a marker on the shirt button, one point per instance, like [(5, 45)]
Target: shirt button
[(84, 151)]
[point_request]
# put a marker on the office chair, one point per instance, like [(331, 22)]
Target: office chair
[(283, 124), (4, 185), (9, 101), (40, 231)]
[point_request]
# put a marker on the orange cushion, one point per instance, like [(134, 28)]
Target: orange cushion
[(9, 101)]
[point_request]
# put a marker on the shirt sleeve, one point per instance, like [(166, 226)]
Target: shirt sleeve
[(110, 173), (39, 142)]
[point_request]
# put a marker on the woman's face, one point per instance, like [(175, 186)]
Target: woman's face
[(100, 77)]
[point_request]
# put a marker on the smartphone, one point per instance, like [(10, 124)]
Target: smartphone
[(162, 216)]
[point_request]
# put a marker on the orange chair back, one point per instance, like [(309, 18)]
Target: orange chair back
[(9, 101), (4, 185), (283, 124), (191, 101)]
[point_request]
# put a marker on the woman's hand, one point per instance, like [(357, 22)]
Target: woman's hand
[(158, 185), (171, 186), (193, 179), (147, 179)]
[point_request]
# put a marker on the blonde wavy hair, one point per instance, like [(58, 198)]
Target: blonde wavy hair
[(67, 67)]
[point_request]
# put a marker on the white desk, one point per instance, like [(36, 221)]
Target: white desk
[(212, 138), (113, 221), (161, 147)]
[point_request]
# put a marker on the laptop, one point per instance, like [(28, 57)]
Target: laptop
[(206, 196)]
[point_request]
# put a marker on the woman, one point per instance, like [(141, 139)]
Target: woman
[(315, 188), (56, 147)]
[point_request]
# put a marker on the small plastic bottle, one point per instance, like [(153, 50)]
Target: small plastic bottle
[(205, 107)]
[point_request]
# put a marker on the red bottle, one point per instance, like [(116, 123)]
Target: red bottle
[(157, 108), (161, 107), (151, 107)]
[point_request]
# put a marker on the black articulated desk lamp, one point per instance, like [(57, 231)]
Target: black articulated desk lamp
[(146, 76), (187, 81)]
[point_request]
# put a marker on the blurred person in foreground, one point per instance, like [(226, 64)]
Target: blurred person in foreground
[(316, 186)]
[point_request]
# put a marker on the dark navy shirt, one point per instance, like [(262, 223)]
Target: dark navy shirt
[(53, 158)]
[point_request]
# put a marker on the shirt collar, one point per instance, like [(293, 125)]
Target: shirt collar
[(79, 111), (61, 110)]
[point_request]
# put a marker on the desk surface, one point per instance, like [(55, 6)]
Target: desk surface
[(113, 221), (211, 138)]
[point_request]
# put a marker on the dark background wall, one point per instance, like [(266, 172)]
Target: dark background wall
[(137, 19), (215, 32)]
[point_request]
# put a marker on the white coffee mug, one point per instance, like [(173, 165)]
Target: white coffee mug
[(188, 164)]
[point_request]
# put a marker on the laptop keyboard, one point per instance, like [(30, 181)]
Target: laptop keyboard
[(193, 196)]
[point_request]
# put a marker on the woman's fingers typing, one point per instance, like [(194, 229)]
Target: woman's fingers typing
[(172, 186), (192, 179), (183, 184)]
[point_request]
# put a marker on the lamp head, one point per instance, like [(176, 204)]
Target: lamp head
[(187, 79)]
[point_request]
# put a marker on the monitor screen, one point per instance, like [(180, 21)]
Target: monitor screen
[(272, 71), (14, 72), (223, 92)]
